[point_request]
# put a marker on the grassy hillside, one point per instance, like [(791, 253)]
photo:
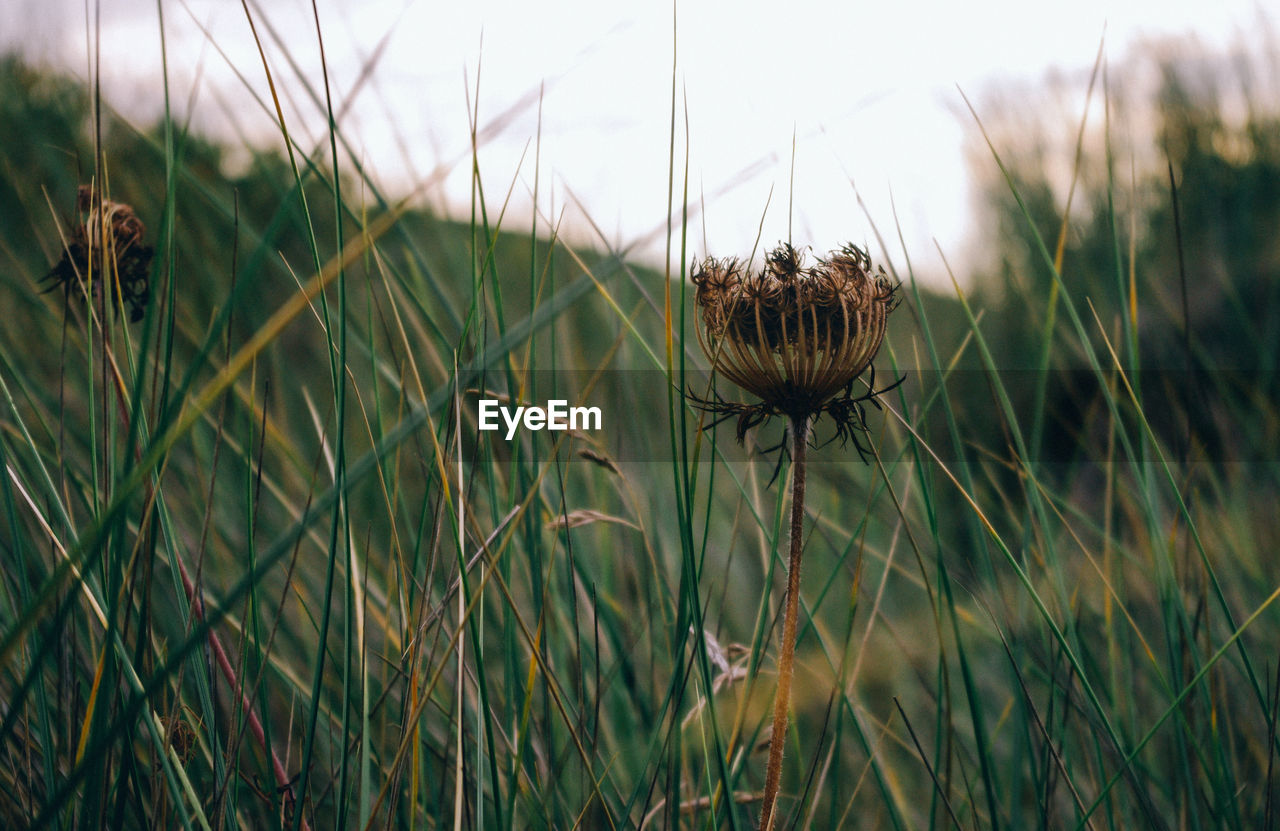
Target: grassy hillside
[(259, 567)]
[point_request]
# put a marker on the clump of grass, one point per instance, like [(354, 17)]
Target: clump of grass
[(435, 631)]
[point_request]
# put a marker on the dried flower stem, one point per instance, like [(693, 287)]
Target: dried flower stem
[(786, 659), (797, 336)]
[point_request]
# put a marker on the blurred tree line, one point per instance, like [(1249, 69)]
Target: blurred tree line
[(1173, 237)]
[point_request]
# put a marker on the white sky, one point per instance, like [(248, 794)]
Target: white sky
[(869, 90)]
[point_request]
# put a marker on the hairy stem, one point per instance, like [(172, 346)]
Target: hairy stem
[(786, 658)]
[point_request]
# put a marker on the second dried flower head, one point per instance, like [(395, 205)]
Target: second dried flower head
[(105, 252), (794, 334)]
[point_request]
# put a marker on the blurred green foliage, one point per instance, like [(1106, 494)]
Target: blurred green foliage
[(1204, 272)]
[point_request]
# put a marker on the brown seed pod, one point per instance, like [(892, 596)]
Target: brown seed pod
[(105, 249), (795, 335)]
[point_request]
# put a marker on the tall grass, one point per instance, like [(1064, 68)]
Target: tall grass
[(261, 569)]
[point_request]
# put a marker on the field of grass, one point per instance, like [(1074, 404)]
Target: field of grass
[(259, 568)]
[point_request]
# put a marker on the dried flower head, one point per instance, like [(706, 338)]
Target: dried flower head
[(794, 334), (105, 249)]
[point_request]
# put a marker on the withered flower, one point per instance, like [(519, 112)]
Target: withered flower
[(105, 249), (798, 337)]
